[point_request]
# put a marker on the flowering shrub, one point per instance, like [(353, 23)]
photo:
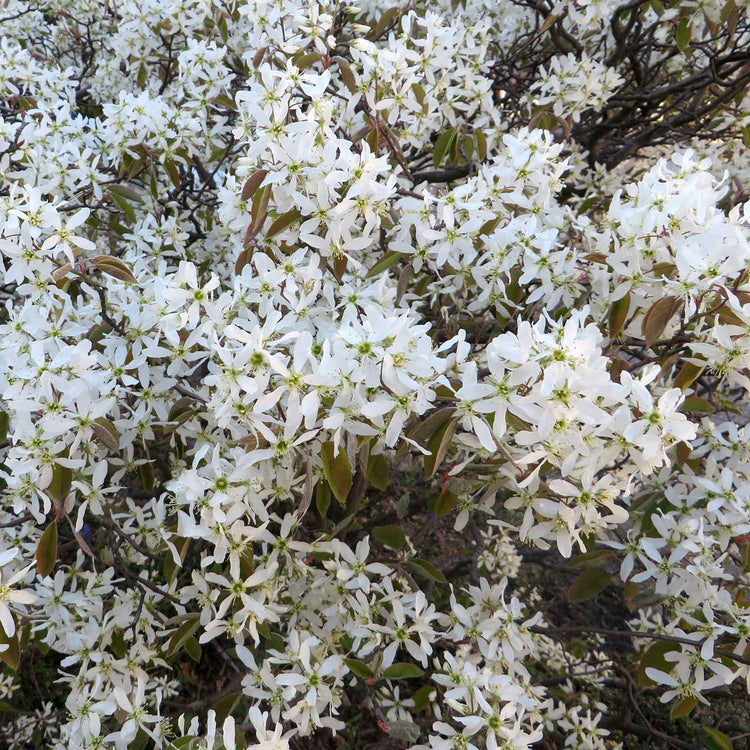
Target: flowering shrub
[(326, 328)]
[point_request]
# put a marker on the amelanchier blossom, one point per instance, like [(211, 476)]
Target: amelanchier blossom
[(308, 348)]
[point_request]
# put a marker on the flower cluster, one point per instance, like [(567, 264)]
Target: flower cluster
[(309, 352)]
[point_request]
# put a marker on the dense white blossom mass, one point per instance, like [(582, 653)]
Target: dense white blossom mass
[(267, 267)]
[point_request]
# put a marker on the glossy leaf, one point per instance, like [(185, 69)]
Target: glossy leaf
[(360, 669), (402, 671)]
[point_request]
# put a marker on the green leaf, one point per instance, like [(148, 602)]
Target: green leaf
[(446, 502), (653, 656), (427, 570), (618, 314), (12, 655), (438, 446), (106, 433), (323, 497), (7, 708), (687, 375), (391, 536), (62, 480), (4, 424), (698, 405), (422, 698), (590, 583), (658, 316), (360, 669), (225, 705), (119, 647), (683, 708), (377, 471), (587, 559), (140, 741), (383, 264), (337, 470), (684, 34), (716, 740), (124, 205), (402, 671), (481, 140), (194, 649), (182, 634), (46, 551), (442, 145), (170, 566), (283, 222)]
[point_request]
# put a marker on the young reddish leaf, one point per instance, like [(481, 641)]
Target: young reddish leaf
[(687, 375), (337, 471), (114, 267), (339, 267), (658, 316), (683, 450), (347, 74), (173, 172), (283, 222), (46, 551), (590, 583), (618, 314), (402, 671), (253, 183), (106, 433), (391, 536), (258, 56)]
